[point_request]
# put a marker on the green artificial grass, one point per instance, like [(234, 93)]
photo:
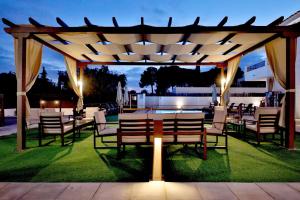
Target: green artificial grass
[(79, 162)]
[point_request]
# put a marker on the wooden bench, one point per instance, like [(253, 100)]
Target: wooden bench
[(137, 129)]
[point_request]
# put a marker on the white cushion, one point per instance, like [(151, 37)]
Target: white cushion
[(100, 118), (265, 110), (134, 139), (188, 138), (190, 115), (219, 116), (66, 128), (253, 127), (89, 111), (213, 130), (132, 116), (108, 131)]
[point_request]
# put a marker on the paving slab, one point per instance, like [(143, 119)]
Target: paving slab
[(280, 191), (113, 191), (16, 190), (296, 186), (248, 191), (45, 191), (215, 191), (78, 191), (182, 191)]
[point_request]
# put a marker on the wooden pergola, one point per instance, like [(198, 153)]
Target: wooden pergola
[(143, 44)]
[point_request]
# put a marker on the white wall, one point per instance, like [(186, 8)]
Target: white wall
[(10, 112), (192, 102), (237, 90)]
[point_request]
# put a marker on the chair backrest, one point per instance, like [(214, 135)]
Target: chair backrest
[(219, 119), (34, 117), (51, 122), (265, 110), (168, 121), (134, 123), (90, 111), (189, 122), (100, 120), (268, 120), (231, 106)]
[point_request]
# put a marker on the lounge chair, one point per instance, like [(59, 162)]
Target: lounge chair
[(51, 124), (101, 129), (265, 122), (218, 128), (248, 109)]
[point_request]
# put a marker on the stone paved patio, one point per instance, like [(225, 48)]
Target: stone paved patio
[(149, 190)]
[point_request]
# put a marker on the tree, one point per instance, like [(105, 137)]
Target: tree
[(148, 77)]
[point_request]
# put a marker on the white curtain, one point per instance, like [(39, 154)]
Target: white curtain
[(72, 73), (34, 52), (276, 54), (232, 68)]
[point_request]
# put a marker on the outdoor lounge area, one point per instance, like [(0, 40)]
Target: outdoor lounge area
[(91, 135)]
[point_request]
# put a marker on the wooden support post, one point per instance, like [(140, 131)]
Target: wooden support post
[(222, 101), (81, 74), (291, 47), (21, 88)]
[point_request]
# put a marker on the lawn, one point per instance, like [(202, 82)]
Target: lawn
[(244, 162)]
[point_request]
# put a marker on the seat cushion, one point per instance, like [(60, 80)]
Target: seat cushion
[(213, 130), (188, 138), (134, 139), (68, 128), (108, 131), (253, 127)]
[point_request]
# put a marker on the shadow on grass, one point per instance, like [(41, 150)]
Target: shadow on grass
[(135, 164)]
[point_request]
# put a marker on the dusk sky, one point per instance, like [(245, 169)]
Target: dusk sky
[(155, 12)]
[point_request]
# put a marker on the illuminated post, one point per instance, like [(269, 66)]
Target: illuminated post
[(157, 151)]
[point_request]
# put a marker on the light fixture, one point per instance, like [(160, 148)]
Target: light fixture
[(179, 104), (56, 102), (42, 102)]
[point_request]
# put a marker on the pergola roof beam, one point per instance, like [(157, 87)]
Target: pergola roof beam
[(231, 49), (152, 63), (162, 47), (9, 23), (86, 57), (126, 47), (223, 22), (276, 21), (39, 25), (61, 22), (92, 49), (100, 36), (187, 35), (201, 59)]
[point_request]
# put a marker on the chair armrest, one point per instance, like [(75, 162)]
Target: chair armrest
[(107, 123)]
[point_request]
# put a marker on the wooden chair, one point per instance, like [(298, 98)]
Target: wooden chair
[(218, 128), (51, 124), (265, 122), (133, 129), (189, 129), (101, 129)]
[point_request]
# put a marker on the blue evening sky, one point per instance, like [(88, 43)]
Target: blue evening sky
[(155, 12)]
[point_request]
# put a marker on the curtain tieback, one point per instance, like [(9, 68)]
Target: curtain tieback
[(21, 93), (290, 90)]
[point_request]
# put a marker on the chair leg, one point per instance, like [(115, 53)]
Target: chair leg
[(62, 140), (217, 140), (258, 138), (226, 142), (40, 136), (204, 148), (123, 147), (94, 139)]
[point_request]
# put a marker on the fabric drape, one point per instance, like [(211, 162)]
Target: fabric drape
[(276, 54), (34, 51), (232, 68), (71, 66)]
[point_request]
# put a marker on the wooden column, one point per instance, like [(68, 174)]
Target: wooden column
[(222, 87), (21, 88), (291, 47), (81, 74)]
